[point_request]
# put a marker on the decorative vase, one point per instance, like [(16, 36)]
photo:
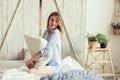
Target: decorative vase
[(103, 45), (92, 44), (115, 31), (118, 31)]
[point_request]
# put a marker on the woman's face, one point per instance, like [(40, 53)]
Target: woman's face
[(53, 22)]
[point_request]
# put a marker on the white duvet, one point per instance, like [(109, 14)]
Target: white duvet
[(17, 74), (14, 70)]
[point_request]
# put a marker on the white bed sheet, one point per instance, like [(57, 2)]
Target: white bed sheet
[(67, 65), (9, 64)]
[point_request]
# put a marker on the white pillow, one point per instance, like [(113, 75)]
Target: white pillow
[(42, 61), (27, 55), (34, 45), (67, 65)]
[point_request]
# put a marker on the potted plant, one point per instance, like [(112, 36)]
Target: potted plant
[(116, 28), (92, 39), (102, 39)]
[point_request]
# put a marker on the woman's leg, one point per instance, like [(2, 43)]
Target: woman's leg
[(42, 71)]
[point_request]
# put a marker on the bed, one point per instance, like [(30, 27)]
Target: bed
[(72, 75), (68, 71)]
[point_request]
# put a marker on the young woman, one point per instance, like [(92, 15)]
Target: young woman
[(53, 35)]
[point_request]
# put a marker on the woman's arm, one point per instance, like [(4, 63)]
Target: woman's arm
[(36, 56), (53, 39), (30, 63)]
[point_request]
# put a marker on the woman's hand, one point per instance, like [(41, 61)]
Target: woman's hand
[(30, 63)]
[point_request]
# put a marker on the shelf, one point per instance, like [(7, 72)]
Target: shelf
[(99, 56)]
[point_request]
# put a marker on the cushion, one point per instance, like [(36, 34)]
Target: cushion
[(27, 55), (42, 61), (34, 45)]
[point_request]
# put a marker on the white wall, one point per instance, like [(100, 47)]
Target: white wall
[(99, 17)]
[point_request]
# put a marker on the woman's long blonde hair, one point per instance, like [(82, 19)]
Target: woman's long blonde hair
[(59, 23)]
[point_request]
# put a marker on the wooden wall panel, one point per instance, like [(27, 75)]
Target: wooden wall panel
[(26, 21)]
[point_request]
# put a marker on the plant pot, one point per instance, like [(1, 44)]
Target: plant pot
[(115, 31), (103, 45), (92, 44), (118, 31)]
